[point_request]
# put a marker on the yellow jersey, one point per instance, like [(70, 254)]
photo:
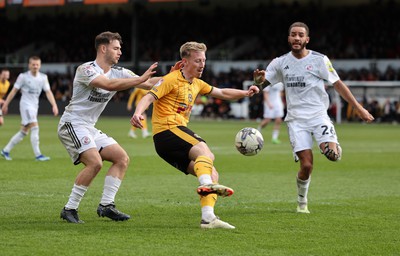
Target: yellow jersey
[(175, 97), (4, 88)]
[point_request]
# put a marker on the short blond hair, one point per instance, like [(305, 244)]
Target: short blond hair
[(189, 47)]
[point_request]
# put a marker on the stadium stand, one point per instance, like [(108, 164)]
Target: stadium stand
[(232, 33)]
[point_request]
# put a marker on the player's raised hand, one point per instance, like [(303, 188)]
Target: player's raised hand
[(178, 65), (136, 120), (259, 76), (253, 90), (149, 72)]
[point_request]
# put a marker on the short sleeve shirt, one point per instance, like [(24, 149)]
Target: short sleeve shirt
[(175, 97), (304, 80), (31, 87), (88, 102)]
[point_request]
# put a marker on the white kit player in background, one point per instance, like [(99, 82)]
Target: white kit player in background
[(304, 74), (94, 85), (31, 84), (273, 110)]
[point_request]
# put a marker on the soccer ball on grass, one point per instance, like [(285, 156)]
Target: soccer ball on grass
[(249, 141)]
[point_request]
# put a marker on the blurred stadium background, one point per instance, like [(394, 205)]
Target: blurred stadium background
[(361, 37)]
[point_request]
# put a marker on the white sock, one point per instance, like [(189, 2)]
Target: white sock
[(111, 186), (14, 141), (145, 133), (205, 179), (78, 191), (302, 190), (35, 140), (207, 213), (275, 134)]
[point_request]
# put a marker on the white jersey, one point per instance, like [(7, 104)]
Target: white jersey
[(304, 80), (274, 100), (87, 102), (31, 87), (274, 94)]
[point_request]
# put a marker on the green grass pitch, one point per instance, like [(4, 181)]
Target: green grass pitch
[(354, 204)]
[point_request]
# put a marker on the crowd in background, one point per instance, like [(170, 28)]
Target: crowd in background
[(368, 31), (386, 111)]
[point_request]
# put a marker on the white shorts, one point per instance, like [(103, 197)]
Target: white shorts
[(28, 115), (272, 113), (301, 132), (78, 139)]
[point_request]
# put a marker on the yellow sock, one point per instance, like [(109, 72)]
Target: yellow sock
[(203, 165), (207, 206), (208, 200), (144, 123)]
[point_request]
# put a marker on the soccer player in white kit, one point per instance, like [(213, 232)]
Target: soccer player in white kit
[(273, 110), (31, 83), (94, 85), (304, 73)]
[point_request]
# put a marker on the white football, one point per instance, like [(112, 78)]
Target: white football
[(249, 141)]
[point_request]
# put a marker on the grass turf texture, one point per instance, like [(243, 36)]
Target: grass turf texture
[(354, 203)]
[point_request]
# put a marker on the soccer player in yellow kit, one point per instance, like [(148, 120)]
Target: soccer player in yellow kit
[(174, 96), (4, 85), (136, 95)]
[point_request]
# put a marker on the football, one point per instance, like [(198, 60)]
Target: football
[(249, 141)]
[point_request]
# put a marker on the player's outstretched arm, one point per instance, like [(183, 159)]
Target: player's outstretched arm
[(346, 94), (121, 84), (233, 94)]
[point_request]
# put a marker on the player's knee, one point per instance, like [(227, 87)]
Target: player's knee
[(331, 154), (306, 167), (95, 167), (123, 162)]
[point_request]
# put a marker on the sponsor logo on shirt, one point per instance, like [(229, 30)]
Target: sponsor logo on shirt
[(96, 96), (295, 81)]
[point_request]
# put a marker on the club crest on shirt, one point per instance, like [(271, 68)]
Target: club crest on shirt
[(85, 140), (309, 67)]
